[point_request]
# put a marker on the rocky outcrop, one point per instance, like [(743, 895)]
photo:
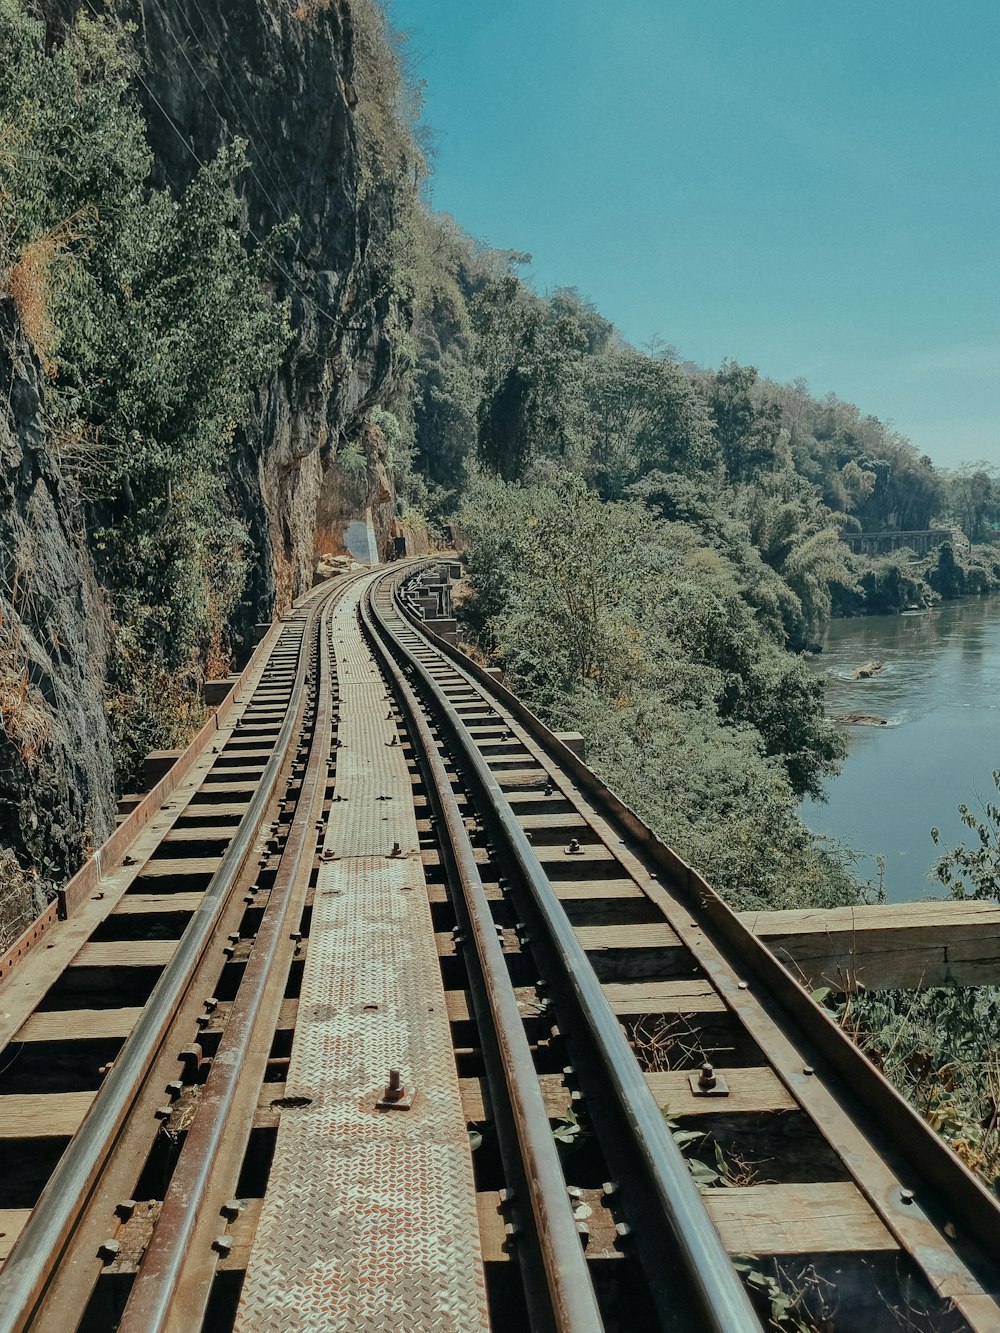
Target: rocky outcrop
[(56, 786), (280, 74)]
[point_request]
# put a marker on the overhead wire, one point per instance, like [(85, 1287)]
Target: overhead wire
[(222, 120), (236, 84), (309, 300)]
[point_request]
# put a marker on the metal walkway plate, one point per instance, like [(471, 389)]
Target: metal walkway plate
[(369, 1222)]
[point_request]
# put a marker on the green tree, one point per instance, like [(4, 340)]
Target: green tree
[(445, 391), (747, 424), (634, 632), (531, 370), (974, 498), (643, 414), (974, 872)]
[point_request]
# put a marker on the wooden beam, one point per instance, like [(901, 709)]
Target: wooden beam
[(821, 1218), (76, 1025), (126, 953), (891, 946), (12, 1223), (752, 1091), (44, 1115)]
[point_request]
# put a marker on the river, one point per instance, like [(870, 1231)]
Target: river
[(939, 692)]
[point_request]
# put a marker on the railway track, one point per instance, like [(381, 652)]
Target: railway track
[(386, 1010)]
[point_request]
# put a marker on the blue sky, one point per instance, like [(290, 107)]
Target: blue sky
[(813, 188)]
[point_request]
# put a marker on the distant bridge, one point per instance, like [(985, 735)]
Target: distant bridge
[(881, 543)]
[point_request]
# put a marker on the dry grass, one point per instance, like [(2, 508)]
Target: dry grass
[(218, 660), (24, 720), (663, 1042), (28, 283), (308, 9), (16, 899), (284, 583), (85, 455)]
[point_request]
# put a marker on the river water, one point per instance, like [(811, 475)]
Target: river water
[(939, 692)]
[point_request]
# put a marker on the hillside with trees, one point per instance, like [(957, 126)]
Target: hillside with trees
[(202, 311), (653, 545)]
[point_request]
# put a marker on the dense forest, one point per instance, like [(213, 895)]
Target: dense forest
[(652, 546)]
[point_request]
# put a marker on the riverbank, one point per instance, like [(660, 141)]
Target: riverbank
[(938, 694), (900, 582)]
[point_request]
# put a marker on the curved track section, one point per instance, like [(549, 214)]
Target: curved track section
[(380, 1010), (135, 1016), (816, 1168)]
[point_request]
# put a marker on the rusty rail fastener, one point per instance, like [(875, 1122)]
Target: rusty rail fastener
[(396, 1096), (708, 1083)]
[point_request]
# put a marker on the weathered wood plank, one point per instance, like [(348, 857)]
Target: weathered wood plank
[(138, 904), (476, 1102), (78, 1024), (231, 786), (252, 751), (892, 945), (627, 999), (556, 820), (43, 1115), (232, 811), (201, 833), (631, 999), (556, 855), (522, 777), (594, 890), (126, 953), (458, 1003), (242, 1229), (438, 893), (751, 1091), (12, 1223), (589, 1206), (169, 868), (655, 935), (492, 1221), (822, 1218)]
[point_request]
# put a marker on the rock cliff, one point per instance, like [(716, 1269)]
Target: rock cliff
[(288, 79), (56, 788), (284, 76)]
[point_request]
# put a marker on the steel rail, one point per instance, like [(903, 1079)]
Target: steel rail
[(151, 1301), (974, 1209), (572, 1303), (28, 1269), (723, 1303)]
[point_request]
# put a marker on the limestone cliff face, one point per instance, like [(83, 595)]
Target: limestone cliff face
[(56, 786), (280, 75)]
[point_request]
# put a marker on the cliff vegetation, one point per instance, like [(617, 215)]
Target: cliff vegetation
[(205, 295)]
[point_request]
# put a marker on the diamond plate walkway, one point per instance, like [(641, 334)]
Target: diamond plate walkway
[(369, 1222)]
